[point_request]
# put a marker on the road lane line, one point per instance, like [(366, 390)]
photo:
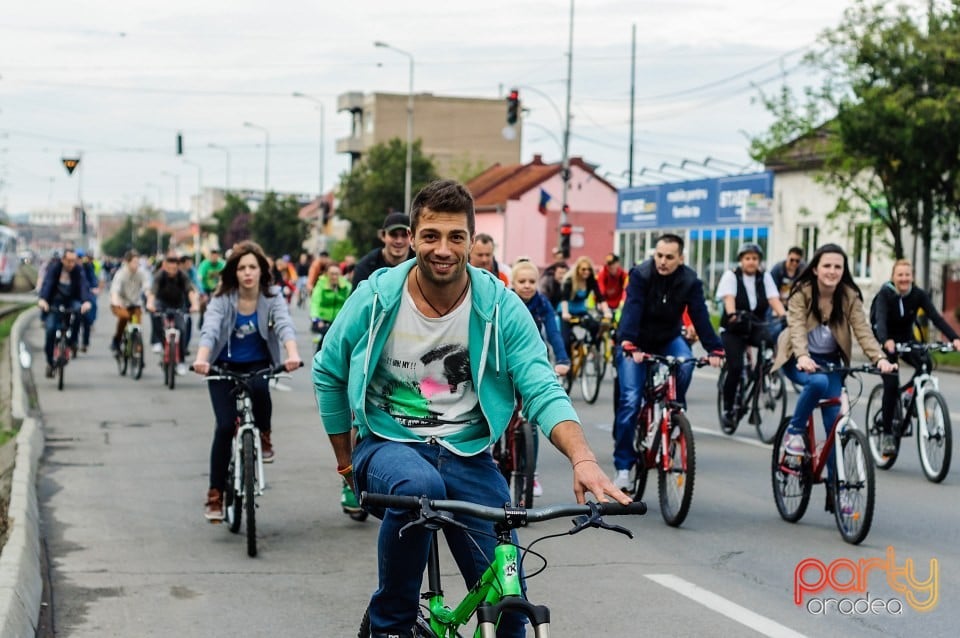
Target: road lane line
[(728, 437), (721, 605)]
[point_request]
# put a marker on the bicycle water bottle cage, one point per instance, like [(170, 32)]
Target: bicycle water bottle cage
[(581, 523), (431, 518)]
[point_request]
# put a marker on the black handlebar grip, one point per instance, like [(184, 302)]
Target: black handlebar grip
[(616, 509), (388, 500)]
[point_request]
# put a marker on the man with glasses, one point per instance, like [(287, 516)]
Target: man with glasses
[(785, 272), (395, 235)]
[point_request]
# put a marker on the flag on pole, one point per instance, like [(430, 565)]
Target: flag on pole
[(544, 199)]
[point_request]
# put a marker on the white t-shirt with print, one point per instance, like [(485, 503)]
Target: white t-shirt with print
[(423, 377)]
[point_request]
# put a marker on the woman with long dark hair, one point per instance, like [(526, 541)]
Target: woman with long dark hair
[(824, 313), (246, 324)]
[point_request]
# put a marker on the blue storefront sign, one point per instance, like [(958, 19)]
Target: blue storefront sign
[(720, 201)]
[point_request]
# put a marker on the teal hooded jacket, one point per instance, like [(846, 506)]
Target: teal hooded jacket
[(507, 357)]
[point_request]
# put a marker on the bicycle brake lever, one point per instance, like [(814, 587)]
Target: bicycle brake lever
[(431, 519), (594, 519)]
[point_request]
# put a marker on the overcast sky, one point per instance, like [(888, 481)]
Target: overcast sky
[(117, 80)]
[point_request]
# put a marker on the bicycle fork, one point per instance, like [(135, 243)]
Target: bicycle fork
[(245, 408)]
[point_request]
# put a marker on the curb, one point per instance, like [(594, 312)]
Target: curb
[(21, 583)]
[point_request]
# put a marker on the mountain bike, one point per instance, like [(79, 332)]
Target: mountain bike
[(64, 344), (586, 359), (934, 433), (499, 588), (664, 439), (514, 453), (130, 353), (851, 490), (761, 393), (171, 345), (245, 477)]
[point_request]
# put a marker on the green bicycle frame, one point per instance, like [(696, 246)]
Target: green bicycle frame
[(500, 580)]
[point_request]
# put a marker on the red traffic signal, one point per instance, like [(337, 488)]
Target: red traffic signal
[(566, 229), (513, 106)]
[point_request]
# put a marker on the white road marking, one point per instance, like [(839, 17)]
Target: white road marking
[(721, 605), (736, 439)]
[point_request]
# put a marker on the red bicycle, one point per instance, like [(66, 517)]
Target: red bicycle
[(664, 439), (851, 488), (515, 455), (171, 346)]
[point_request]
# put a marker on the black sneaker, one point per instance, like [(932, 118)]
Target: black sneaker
[(48, 372), (888, 445), (727, 422)]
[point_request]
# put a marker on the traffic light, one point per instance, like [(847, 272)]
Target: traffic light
[(513, 106), (565, 231), (179, 143)]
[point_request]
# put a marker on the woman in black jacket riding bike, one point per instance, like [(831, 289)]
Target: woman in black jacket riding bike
[(893, 315)]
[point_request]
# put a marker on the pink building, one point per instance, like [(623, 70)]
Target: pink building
[(508, 209)]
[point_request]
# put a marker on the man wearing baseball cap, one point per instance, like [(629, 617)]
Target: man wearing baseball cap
[(395, 235), (747, 292)]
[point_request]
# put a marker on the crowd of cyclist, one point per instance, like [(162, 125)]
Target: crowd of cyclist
[(388, 414)]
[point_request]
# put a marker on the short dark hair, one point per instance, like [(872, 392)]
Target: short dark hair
[(795, 250), (483, 238), (444, 196), (670, 238)]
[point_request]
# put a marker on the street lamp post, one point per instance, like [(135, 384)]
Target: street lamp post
[(319, 104), (408, 174), (266, 155), (196, 215), (159, 211), (226, 152)]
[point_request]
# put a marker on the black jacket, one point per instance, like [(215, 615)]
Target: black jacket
[(370, 262), (78, 282), (653, 309), (896, 315)]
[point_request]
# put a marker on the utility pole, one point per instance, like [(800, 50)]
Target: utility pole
[(633, 84), (565, 170)]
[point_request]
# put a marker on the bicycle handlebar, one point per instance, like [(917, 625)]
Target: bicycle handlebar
[(867, 368), (217, 373), (675, 361), (924, 347), (501, 514)]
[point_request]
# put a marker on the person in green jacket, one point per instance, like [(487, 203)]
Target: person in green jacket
[(328, 297), (426, 360)]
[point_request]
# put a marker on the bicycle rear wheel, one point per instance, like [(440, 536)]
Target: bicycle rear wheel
[(248, 486), (854, 497), (677, 472), (524, 465), (772, 404), (874, 425), (791, 479), (935, 438), (591, 373)]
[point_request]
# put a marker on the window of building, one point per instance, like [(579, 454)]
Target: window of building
[(809, 238), (862, 249)]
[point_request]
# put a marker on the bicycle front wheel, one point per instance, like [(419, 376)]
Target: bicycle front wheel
[(791, 478), (136, 355), (524, 465), (934, 437), (874, 425), (248, 486), (121, 356), (677, 471), (855, 495), (60, 360), (232, 501), (171, 364), (591, 374), (772, 404), (736, 417)]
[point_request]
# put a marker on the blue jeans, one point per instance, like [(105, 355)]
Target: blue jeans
[(816, 387), (52, 323), (418, 469), (632, 377)]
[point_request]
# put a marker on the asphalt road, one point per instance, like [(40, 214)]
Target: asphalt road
[(124, 476)]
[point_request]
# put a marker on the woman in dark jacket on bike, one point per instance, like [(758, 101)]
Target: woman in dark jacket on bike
[(246, 324), (894, 316)]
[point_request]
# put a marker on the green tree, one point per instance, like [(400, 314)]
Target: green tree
[(277, 226), (341, 249), (233, 207), (883, 121), (374, 187), (121, 241)]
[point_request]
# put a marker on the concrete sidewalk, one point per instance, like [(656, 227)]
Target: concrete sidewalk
[(21, 582)]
